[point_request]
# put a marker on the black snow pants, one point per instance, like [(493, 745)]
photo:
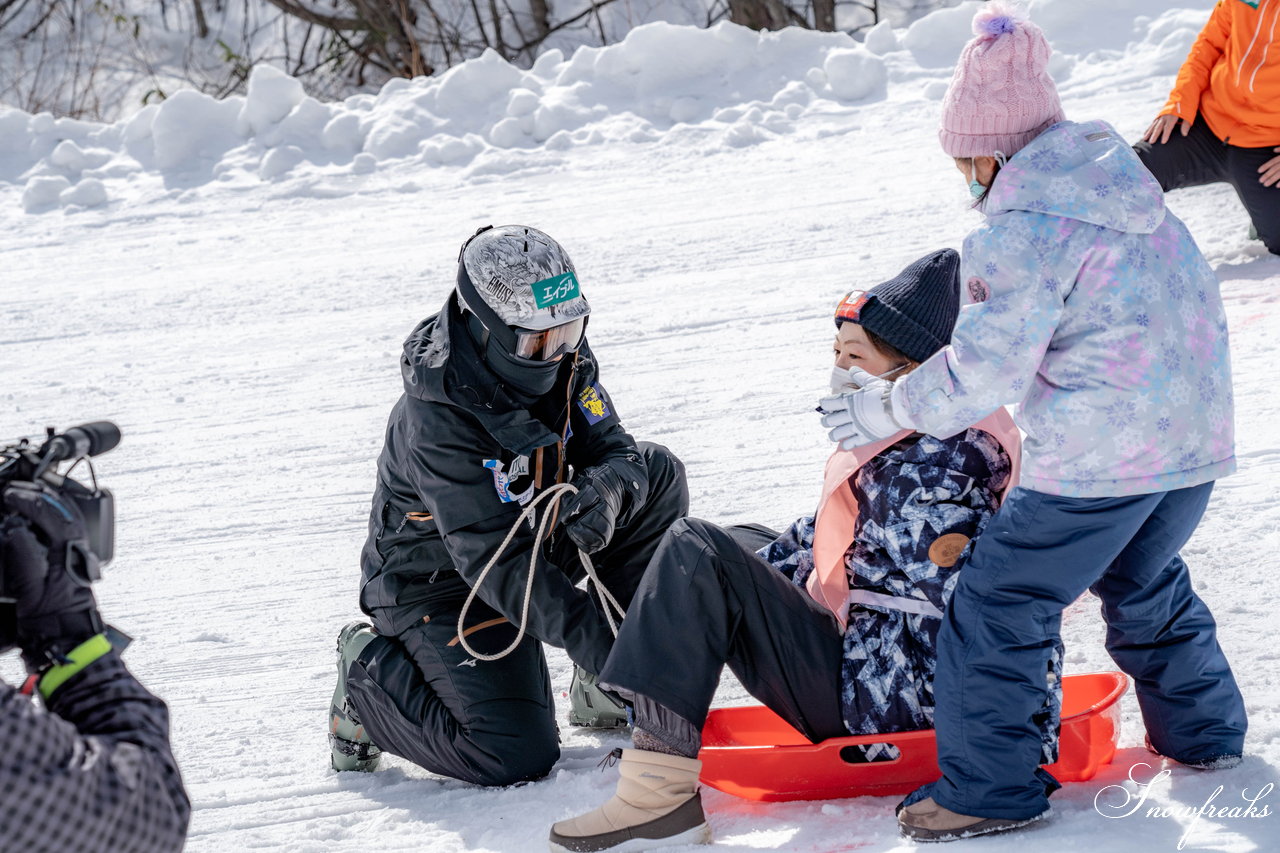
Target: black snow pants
[(1201, 158), (708, 600), (423, 697)]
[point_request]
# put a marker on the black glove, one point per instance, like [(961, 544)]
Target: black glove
[(47, 568), (608, 494)]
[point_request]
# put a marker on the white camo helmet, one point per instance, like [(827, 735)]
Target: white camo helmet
[(523, 276)]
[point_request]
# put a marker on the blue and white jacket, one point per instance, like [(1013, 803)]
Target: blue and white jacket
[(1096, 316)]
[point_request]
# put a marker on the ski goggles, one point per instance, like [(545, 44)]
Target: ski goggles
[(549, 344)]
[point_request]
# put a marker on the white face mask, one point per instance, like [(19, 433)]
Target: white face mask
[(842, 381)]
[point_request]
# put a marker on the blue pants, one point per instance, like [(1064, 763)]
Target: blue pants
[(1037, 556)]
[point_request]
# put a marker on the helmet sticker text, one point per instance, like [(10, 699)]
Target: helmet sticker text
[(554, 290)]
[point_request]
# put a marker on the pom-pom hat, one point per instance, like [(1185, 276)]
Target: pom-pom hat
[(1001, 96)]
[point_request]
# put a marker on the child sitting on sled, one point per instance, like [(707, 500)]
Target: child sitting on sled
[(831, 624)]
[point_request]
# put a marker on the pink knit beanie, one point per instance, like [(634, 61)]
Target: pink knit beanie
[(1001, 97)]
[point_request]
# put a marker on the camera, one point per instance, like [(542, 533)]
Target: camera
[(24, 462)]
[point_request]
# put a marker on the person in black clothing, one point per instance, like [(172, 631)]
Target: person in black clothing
[(96, 772), (470, 564)]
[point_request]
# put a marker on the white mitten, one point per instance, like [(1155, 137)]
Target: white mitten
[(862, 416)]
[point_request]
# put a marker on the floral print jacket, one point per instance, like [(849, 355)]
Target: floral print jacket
[(1095, 313)]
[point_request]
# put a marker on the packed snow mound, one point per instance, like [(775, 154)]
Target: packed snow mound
[(728, 86)]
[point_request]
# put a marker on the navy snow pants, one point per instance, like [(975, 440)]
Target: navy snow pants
[(1201, 158), (1039, 553), (423, 697)]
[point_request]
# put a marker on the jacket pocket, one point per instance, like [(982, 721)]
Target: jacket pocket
[(1020, 509), (380, 521)]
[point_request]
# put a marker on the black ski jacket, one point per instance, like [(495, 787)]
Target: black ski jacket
[(95, 772), (461, 459)]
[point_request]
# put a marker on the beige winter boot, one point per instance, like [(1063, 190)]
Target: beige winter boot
[(656, 805)]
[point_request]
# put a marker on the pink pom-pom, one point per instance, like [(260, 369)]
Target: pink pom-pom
[(995, 20)]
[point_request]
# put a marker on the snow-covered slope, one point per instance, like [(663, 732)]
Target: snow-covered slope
[(719, 191)]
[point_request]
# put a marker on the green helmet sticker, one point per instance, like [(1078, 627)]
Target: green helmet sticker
[(553, 291)]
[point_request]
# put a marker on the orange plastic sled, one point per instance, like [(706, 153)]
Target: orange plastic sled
[(753, 753)]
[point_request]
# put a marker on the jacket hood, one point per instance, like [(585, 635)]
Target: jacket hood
[(1082, 171), (441, 364), (426, 354)]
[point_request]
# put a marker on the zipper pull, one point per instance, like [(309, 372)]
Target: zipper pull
[(413, 516)]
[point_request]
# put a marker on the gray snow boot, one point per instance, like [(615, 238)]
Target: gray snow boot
[(592, 708), (351, 748), (1253, 231)]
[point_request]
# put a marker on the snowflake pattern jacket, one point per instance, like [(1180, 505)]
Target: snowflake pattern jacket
[(1097, 316)]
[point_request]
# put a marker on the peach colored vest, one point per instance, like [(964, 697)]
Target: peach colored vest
[(838, 511)]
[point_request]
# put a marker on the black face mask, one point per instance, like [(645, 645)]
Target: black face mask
[(526, 378), (534, 381)]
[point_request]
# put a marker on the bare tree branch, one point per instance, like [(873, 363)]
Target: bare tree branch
[(330, 22), (824, 15), (202, 26), (541, 15)]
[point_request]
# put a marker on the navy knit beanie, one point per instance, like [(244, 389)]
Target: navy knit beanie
[(913, 312)]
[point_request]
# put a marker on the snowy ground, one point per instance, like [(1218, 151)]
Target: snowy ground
[(245, 333)]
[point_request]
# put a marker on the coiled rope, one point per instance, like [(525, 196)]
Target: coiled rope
[(559, 490)]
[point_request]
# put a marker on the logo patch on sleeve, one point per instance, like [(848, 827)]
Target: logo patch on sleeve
[(553, 291), (979, 290), (593, 405)]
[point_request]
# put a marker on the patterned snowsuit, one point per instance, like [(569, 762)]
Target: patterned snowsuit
[(709, 598), (909, 497)]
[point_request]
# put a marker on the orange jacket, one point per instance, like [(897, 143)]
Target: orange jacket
[(1232, 75)]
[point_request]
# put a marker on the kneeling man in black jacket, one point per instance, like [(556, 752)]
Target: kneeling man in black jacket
[(471, 562)]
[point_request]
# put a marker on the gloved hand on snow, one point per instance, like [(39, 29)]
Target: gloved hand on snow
[(861, 416), (608, 494)]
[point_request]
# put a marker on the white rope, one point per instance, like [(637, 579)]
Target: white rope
[(558, 490)]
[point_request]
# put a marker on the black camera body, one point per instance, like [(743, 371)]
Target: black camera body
[(24, 462), (97, 505)]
